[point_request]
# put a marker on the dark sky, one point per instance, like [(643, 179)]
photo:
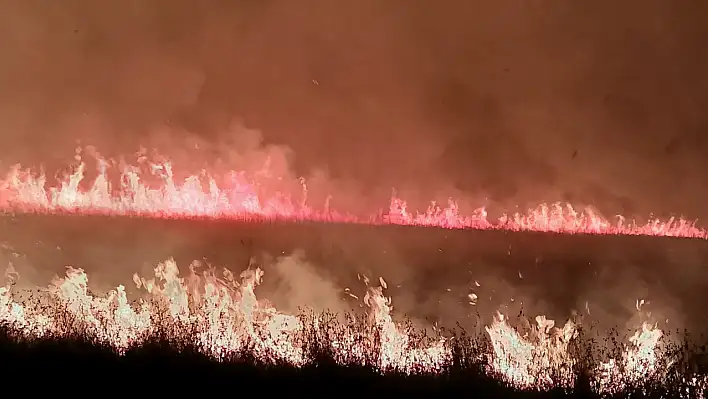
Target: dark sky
[(596, 102)]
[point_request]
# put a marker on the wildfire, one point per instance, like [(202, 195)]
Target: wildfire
[(224, 317), (541, 360), (200, 195), (221, 314)]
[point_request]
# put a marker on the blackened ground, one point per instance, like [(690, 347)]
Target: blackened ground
[(429, 271)]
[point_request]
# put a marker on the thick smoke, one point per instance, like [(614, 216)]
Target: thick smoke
[(597, 103)]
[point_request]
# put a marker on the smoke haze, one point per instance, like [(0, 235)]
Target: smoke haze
[(504, 103), (593, 102)]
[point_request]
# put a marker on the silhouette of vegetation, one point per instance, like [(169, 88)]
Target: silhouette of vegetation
[(172, 360)]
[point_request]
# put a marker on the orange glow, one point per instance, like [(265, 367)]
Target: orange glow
[(200, 196), (222, 315)]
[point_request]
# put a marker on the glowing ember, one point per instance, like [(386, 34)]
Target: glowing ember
[(199, 195), (224, 317)]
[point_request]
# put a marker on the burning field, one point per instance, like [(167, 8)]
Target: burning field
[(210, 266), (354, 197)]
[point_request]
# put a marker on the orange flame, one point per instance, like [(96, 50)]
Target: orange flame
[(224, 317), (541, 360), (199, 195)]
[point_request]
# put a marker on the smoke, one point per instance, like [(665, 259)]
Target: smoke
[(595, 103), (295, 285), (505, 104)]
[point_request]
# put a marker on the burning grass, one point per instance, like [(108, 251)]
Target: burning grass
[(151, 188), (205, 327), (174, 353)]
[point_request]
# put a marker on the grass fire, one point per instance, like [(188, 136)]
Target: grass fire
[(205, 314)]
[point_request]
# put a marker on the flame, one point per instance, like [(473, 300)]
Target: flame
[(224, 317), (639, 360), (541, 360), (200, 195)]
